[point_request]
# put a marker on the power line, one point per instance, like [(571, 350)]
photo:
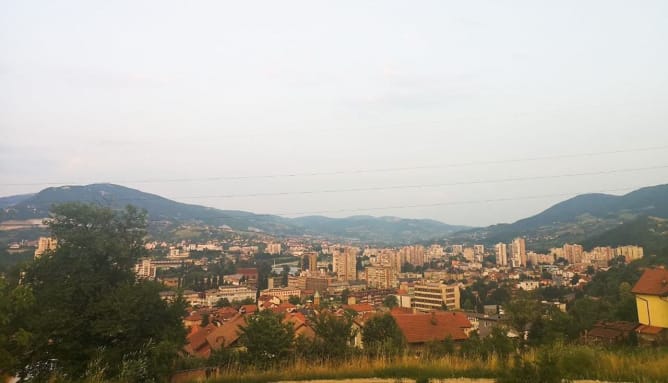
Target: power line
[(465, 202), (356, 171), (424, 186), (376, 208)]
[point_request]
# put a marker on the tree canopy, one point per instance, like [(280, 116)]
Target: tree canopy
[(87, 305)]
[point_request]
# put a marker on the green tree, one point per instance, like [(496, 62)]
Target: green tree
[(267, 339), (382, 335), (390, 301), (88, 305), (334, 334), (16, 302)]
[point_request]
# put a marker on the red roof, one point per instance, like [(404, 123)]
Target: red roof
[(360, 308), (421, 328), (652, 282), (652, 330)]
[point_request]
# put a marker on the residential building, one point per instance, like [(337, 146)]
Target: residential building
[(630, 253), (651, 293), (273, 248), (345, 264), (145, 269), (501, 254), (45, 244), (519, 252), (573, 253), (282, 292), (381, 277), (435, 296)]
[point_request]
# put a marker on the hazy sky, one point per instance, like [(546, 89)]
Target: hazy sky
[(142, 92)]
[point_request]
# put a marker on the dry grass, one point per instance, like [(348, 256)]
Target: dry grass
[(643, 366)]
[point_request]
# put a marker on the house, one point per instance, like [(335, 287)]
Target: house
[(610, 332), (421, 328), (651, 293), (203, 341)]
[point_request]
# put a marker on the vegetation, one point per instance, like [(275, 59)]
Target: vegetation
[(537, 365), (79, 310)]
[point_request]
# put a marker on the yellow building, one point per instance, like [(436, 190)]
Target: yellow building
[(651, 293)]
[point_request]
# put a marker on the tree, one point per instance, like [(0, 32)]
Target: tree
[(88, 305), (522, 311), (333, 334), (267, 339), (294, 300), (390, 301), (382, 335), (15, 304)]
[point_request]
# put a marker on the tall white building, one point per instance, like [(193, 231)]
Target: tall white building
[(501, 254)]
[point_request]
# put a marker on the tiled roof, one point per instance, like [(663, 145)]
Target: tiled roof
[(226, 334), (360, 307), (652, 282), (421, 328), (651, 330)]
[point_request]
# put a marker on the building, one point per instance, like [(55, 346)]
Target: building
[(145, 269), (420, 329), (381, 277), (45, 244), (501, 254), (282, 293), (273, 248), (231, 293), (630, 253), (651, 293), (573, 253), (435, 296), (345, 264), (310, 259), (415, 255), (519, 252)]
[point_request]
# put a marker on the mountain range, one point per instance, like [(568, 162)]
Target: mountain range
[(591, 219), (162, 210)]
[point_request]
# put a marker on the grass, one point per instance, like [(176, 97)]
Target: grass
[(573, 362)]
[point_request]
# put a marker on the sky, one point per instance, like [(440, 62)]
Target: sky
[(468, 112)]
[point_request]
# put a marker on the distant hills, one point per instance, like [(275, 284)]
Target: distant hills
[(162, 210), (638, 217), (591, 219)]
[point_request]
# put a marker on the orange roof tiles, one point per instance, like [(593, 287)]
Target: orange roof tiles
[(652, 282), (421, 328)]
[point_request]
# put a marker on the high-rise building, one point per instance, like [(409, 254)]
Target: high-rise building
[(345, 264), (45, 244), (501, 254), (519, 252), (273, 248), (573, 253), (457, 249), (413, 255), (479, 249), (382, 277), (312, 259), (433, 296), (630, 253)]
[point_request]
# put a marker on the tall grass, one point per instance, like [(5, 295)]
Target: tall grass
[(571, 362)]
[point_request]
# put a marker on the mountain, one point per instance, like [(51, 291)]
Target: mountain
[(578, 219), (13, 200), (381, 229), (162, 211)]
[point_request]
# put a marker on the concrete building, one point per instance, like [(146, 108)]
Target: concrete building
[(345, 264), (45, 244), (501, 254), (433, 296), (519, 252), (145, 269), (273, 248), (381, 277), (573, 253)]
